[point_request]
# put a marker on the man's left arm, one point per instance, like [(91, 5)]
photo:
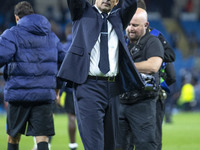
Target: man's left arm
[(150, 66), (154, 54)]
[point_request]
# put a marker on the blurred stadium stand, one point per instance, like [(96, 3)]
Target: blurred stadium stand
[(191, 26), (178, 20)]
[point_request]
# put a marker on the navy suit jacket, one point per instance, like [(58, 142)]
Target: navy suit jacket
[(87, 22)]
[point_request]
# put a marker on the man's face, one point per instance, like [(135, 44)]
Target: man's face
[(106, 5), (136, 28)]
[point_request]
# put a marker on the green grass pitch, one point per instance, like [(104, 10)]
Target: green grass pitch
[(182, 134)]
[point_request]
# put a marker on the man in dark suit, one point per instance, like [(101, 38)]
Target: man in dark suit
[(94, 77)]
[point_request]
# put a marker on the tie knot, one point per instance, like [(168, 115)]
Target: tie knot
[(104, 15)]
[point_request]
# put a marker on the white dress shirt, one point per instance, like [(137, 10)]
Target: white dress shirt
[(113, 53)]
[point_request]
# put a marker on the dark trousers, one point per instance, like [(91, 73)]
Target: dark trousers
[(160, 111), (137, 124), (96, 108)]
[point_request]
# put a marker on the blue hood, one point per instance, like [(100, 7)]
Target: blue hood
[(35, 24)]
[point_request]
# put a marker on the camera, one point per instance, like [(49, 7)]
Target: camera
[(150, 82)]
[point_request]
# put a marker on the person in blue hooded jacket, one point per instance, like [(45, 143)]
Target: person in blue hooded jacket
[(30, 52)]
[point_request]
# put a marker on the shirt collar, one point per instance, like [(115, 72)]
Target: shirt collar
[(100, 10)]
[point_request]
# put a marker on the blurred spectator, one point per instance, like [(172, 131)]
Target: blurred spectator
[(56, 28), (187, 97), (170, 102), (189, 6), (66, 99), (174, 39), (193, 43), (186, 101)]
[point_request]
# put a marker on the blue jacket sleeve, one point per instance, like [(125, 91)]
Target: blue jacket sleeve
[(7, 47)]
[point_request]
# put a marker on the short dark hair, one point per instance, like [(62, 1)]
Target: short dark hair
[(141, 4), (23, 8)]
